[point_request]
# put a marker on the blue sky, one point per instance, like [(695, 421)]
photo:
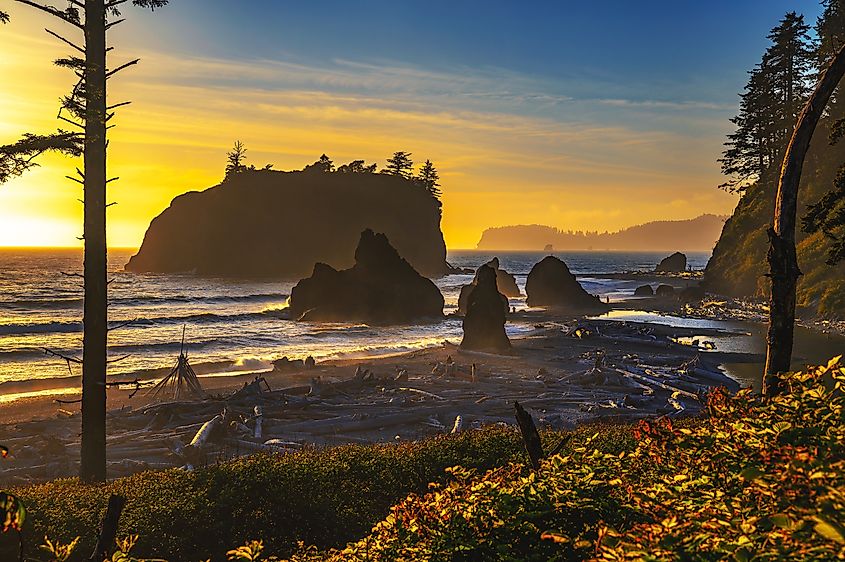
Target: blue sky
[(582, 115)]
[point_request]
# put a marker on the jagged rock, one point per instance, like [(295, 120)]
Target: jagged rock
[(505, 282), (676, 263), (279, 224), (381, 288), (503, 278), (644, 291), (484, 323), (550, 283), (665, 291), (285, 365)]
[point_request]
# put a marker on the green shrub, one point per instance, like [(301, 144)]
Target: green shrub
[(761, 480)]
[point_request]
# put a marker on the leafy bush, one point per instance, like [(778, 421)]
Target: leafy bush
[(755, 480)]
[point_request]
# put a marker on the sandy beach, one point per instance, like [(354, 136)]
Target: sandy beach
[(566, 371)]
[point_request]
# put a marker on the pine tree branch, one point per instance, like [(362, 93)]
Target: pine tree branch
[(60, 38), (64, 16)]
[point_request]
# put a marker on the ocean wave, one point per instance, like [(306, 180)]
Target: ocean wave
[(199, 318), (128, 302)]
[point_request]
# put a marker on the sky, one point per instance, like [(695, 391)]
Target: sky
[(574, 114)]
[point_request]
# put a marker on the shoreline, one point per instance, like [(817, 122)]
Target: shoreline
[(568, 371)]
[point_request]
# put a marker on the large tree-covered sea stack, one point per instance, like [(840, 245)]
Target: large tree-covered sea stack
[(484, 323), (550, 283), (381, 288)]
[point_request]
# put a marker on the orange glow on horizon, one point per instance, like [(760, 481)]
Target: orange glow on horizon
[(496, 169)]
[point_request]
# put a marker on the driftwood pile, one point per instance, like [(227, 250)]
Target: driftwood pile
[(424, 395)]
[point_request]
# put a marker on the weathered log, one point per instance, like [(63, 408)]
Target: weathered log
[(530, 436), (206, 431), (108, 530)]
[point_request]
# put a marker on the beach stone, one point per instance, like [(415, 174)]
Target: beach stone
[(676, 263), (644, 291), (381, 288), (484, 323), (665, 291), (550, 283)]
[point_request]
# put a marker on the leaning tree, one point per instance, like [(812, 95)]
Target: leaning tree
[(782, 256), (87, 110)]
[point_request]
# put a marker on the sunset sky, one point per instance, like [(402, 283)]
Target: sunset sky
[(579, 115)]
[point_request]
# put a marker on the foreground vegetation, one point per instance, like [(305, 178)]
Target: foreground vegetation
[(753, 480)]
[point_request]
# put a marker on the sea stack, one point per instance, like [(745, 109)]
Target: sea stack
[(550, 283), (676, 263), (381, 288), (484, 323), (505, 284)]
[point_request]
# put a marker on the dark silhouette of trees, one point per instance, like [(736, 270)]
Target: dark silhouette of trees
[(87, 109), (428, 178), (235, 159), (776, 90), (400, 164), (323, 165), (782, 256), (357, 167)]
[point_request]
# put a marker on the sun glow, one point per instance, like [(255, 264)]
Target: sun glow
[(496, 168)]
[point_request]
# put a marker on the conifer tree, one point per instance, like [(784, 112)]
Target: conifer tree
[(323, 165), (774, 95), (400, 164), (235, 159), (428, 178), (87, 108)]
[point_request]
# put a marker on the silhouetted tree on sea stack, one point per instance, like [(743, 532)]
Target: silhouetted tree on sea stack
[(428, 178), (235, 159), (357, 167), (400, 164), (87, 109), (323, 165)]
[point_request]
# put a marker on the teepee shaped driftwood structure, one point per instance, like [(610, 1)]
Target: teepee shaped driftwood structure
[(182, 380)]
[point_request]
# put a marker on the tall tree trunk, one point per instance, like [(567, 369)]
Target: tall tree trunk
[(93, 463), (782, 258)]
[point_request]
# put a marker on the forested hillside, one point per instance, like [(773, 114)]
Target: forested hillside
[(776, 91)]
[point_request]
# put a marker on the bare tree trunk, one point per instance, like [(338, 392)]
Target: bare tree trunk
[(782, 258), (93, 462)]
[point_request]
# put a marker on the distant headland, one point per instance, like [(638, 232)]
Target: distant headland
[(698, 234)]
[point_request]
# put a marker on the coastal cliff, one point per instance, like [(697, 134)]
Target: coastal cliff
[(279, 224)]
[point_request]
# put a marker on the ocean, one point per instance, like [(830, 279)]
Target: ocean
[(229, 319)]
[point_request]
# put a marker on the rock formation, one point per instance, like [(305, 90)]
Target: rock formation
[(665, 291), (484, 323), (505, 283), (644, 291), (466, 291), (279, 224), (550, 283), (381, 288), (676, 263)]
